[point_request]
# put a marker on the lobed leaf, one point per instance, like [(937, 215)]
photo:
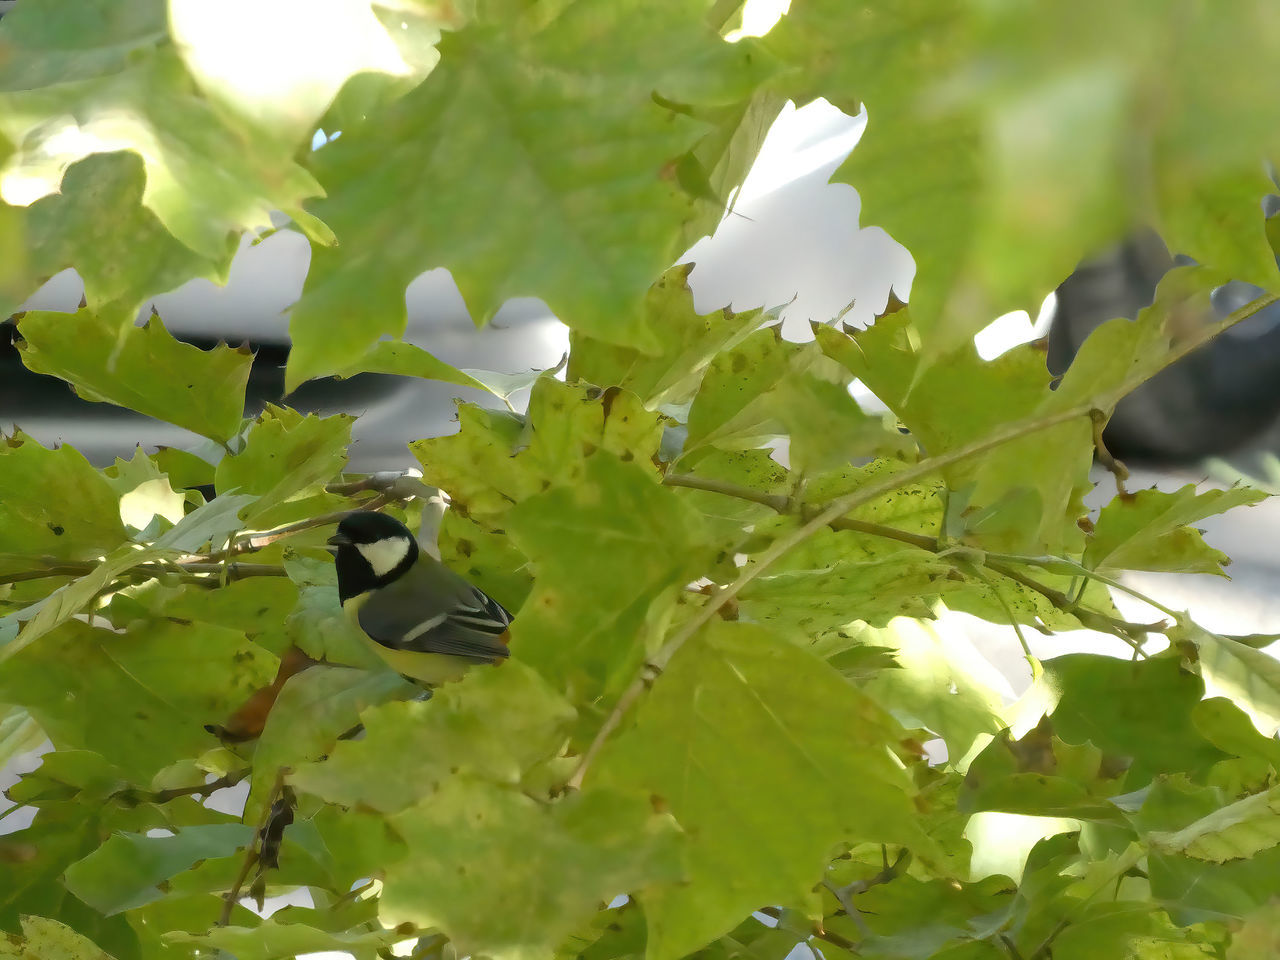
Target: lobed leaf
[(610, 552), (575, 853), (203, 390), (1149, 530), (730, 698), (125, 872)]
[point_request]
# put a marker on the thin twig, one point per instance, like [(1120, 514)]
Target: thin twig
[(256, 541), (833, 938), (1010, 947), (232, 896), (133, 797), (844, 895), (1123, 629), (1104, 457), (837, 508)]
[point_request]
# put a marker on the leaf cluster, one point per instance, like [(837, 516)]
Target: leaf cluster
[(728, 726)]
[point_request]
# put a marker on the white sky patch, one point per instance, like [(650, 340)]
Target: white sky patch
[(1012, 329), (758, 18)]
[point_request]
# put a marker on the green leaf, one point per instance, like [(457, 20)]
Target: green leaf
[(575, 853), (1227, 727), (1148, 530), (97, 69), (1249, 676), (609, 554), (593, 179), (937, 404), (690, 343), (284, 941), (806, 603), (97, 223), (314, 709), (492, 725), (203, 390), (55, 609), (47, 939), (210, 523), (940, 685), (19, 733), (409, 360), (500, 459), (728, 406), (475, 464), (160, 682), (745, 735), (253, 605), (53, 503), (1107, 702), (1237, 830), (286, 456), (1041, 775), (124, 872), (1000, 141)]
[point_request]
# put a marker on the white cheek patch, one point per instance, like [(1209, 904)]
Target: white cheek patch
[(384, 555)]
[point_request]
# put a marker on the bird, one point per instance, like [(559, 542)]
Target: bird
[(423, 619)]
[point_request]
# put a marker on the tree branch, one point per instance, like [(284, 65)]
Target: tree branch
[(133, 797), (1094, 619), (842, 505), (837, 508), (232, 896), (833, 938)]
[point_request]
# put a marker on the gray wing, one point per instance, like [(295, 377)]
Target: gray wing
[(433, 610)]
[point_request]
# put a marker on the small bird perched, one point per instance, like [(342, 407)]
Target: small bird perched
[(426, 621)]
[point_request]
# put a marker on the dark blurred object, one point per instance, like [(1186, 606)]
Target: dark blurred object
[(1212, 402)]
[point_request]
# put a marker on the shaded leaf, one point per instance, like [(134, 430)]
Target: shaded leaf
[(124, 872), (53, 503), (733, 695), (609, 554), (1107, 702), (160, 682), (593, 177), (207, 171), (286, 456), (203, 390), (99, 224), (575, 853), (491, 725), (284, 941), (1233, 832)]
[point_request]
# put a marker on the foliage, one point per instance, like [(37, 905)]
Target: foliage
[(708, 740)]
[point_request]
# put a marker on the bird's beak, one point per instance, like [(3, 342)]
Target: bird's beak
[(339, 540)]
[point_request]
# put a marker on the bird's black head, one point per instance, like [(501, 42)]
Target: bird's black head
[(373, 550)]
